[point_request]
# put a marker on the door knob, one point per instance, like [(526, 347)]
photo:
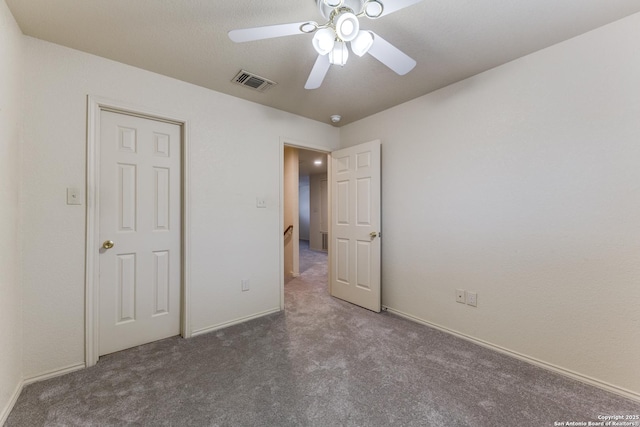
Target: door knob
[(108, 244), (373, 234)]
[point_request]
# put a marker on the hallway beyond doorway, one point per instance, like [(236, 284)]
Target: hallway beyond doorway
[(309, 257)]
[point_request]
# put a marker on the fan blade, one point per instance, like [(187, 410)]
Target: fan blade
[(391, 56), (319, 71), (391, 6), (268, 32)]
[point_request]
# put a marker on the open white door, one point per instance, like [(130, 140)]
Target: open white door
[(355, 225)]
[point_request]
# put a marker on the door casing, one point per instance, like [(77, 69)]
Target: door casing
[(94, 106)]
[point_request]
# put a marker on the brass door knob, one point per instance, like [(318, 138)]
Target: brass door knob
[(108, 244), (373, 234)]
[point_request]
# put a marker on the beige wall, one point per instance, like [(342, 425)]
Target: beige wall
[(290, 213), (521, 184), (10, 289), (316, 205), (303, 206), (233, 161)]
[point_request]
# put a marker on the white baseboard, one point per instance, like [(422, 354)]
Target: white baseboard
[(532, 360), (233, 322), (14, 397), (54, 373), (4, 414)]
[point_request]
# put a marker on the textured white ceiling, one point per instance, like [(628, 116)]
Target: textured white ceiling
[(450, 39)]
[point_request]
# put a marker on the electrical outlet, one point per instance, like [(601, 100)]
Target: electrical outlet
[(261, 202), (460, 297), (472, 299), (245, 285)]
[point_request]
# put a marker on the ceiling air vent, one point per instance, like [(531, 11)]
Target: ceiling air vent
[(252, 81)]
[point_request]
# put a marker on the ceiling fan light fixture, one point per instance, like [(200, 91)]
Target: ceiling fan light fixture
[(339, 54), (340, 28), (324, 40), (309, 27), (361, 44), (333, 3), (373, 9), (347, 26)]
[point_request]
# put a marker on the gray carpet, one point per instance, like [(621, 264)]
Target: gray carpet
[(322, 362), (308, 258)]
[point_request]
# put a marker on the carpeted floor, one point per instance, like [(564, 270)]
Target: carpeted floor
[(322, 362), (308, 258)]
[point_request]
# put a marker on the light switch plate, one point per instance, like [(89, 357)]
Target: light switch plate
[(472, 299), (73, 196)]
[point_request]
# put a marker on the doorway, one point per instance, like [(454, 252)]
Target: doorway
[(354, 219), (136, 286), (305, 210), (313, 208)]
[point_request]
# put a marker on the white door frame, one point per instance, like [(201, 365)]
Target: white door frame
[(94, 107), (303, 146)]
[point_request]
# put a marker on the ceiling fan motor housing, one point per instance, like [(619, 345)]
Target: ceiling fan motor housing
[(354, 5)]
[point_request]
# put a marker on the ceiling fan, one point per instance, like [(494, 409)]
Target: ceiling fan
[(342, 27)]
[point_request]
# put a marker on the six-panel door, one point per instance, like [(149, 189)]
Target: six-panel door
[(140, 208), (355, 225)]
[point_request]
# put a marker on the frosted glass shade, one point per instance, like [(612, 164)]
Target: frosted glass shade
[(339, 54), (324, 40), (361, 44), (347, 26)]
